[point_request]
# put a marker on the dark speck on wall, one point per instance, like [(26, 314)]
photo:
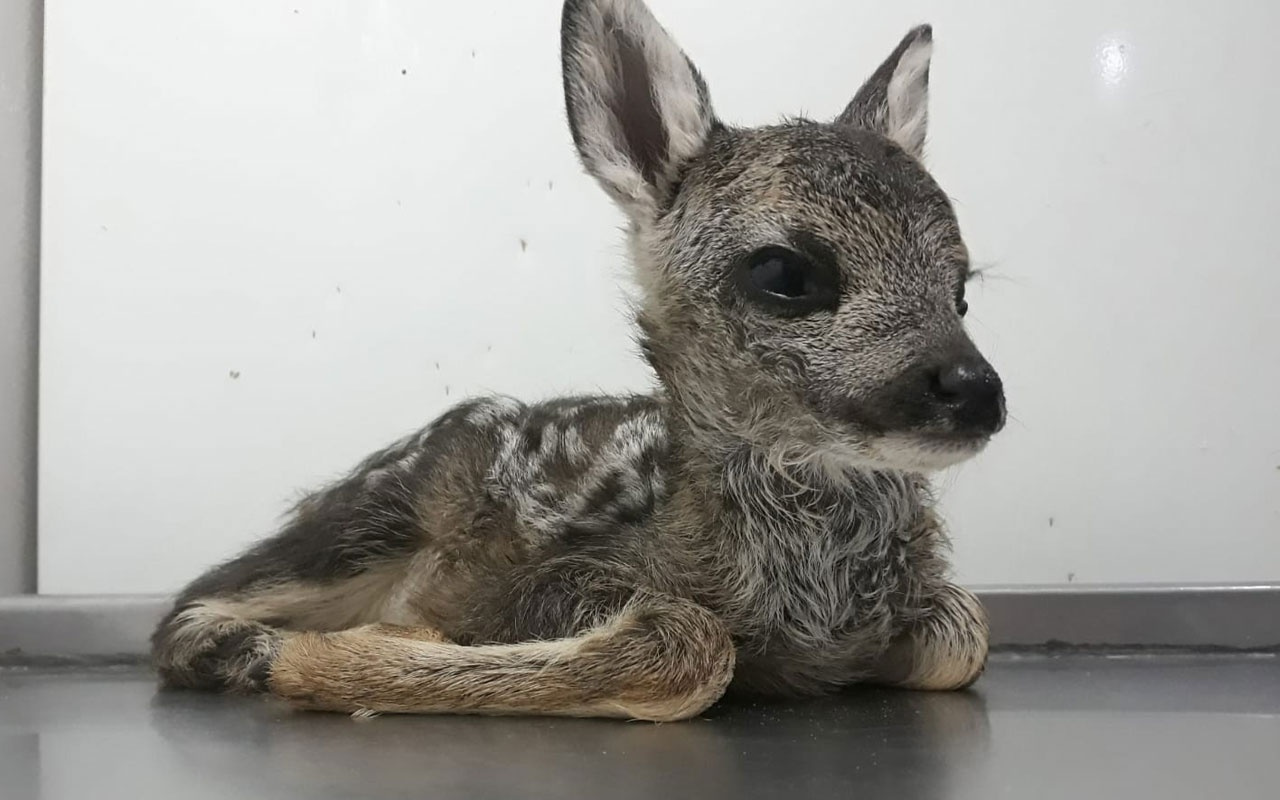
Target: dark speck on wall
[(104, 227), (1071, 577), (524, 245), (1050, 522), (446, 390), (473, 53), (551, 185), (313, 334), (338, 289), (235, 374), (437, 366), (404, 72)]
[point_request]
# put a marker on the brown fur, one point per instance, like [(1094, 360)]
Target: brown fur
[(763, 522)]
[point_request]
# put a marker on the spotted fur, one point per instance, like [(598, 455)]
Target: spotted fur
[(761, 523)]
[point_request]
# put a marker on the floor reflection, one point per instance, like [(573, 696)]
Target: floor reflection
[(739, 748)]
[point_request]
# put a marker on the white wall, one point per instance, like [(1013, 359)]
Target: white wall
[(279, 234), (19, 281)]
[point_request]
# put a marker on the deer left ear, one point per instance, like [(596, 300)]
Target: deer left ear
[(894, 102)]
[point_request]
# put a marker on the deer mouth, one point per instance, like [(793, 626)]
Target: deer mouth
[(928, 452)]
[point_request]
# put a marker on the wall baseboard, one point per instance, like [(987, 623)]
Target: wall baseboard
[(91, 629), (1197, 617)]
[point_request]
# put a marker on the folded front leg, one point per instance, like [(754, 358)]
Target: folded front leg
[(944, 649), (659, 658)]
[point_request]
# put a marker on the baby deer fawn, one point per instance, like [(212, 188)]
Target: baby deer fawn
[(762, 523)]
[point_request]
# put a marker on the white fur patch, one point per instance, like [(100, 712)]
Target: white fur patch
[(519, 475), (915, 454), (907, 98)]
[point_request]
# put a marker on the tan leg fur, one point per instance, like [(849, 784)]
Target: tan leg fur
[(660, 659)]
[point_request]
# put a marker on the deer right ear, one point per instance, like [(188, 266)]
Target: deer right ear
[(638, 109)]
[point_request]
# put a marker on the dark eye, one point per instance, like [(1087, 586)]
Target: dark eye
[(789, 282), (966, 274)]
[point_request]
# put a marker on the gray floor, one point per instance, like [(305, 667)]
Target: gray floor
[(1036, 727)]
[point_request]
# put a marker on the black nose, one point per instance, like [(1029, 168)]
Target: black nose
[(972, 391)]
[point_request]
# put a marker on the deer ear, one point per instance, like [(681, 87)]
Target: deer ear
[(638, 109), (895, 100)]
